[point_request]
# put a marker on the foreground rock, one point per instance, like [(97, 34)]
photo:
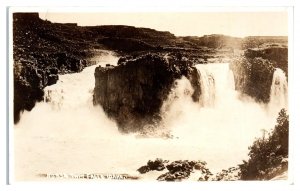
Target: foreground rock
[(158, 165), (182, 169), (231, 174), (177, 170), (133, 92)]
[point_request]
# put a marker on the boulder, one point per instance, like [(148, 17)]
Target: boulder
[(158, 165), (144, 169), (182, 169), (185, 166), (176, 176), (231, 174)]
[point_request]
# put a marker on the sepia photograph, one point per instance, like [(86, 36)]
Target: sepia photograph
[(150, 96)]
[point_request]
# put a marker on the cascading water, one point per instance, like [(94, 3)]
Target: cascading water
[(67, 134), (207, 85), (279, 91), (217, 84), (69, 92), (218, 123)]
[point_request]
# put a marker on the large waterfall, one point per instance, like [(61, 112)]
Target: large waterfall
[(217, 83), (279, 91), (67, 134)]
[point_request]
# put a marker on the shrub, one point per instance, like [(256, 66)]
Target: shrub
[(267, 156)]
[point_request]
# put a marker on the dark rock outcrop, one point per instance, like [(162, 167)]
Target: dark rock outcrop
[(157, 164), (40, 54), (177, 170), (133, 92), (29, 83), (253, 72), (231, 174), (28, 86), (277, 55), (182, 169)]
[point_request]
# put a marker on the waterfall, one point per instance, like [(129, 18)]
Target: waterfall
[(68, 134), (207, 86), (75, 90), (217, 83), (279, 91), (231, 82)]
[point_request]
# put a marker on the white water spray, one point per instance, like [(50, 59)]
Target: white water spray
[(216, 126), (207, 85), (217, 84), (68, 134), (279, 91)]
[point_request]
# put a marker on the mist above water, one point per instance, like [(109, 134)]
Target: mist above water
[(67, 134)]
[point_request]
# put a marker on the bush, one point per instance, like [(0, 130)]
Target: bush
[(267, 156)]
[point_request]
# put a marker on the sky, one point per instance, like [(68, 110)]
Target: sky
[(239, 24)]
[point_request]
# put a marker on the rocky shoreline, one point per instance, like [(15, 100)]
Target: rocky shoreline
[(181, 170)]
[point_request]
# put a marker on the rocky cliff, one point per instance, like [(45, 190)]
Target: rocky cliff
[(253, 71), (40, 53), (133, 92)]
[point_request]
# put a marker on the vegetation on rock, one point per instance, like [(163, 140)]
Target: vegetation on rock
[(268, 155)]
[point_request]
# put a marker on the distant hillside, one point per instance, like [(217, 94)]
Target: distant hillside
[(259, 41), (223, 41), (215, 41)]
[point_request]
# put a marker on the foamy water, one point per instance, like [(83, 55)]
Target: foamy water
[(279, 91), (68, 134)]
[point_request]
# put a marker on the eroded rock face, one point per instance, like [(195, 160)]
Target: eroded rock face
[(28, 85), (133, 92), (278, 56), (40, 53), (253, 72)]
